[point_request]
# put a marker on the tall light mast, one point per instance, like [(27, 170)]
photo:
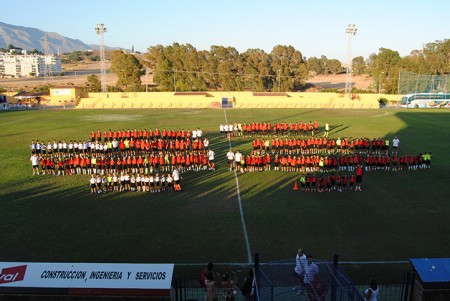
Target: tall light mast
[(351, 31), (100, 29), (48, 72)]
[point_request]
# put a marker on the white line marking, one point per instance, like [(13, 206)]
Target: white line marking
[(244, 227), (293, 263)]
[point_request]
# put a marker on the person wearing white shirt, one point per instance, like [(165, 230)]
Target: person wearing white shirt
[(176, 179), (230, 158), (33, 147), (371, 293), (300, 264), (169, 181), (93, 183), (237, 159), (221, 129), (205, 143), (35, 164), (311, 270), (225, 129), (211, 155), (199, 133), (395, 144)]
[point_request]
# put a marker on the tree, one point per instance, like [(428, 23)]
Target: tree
[(384, 68), (315, 66), (127, 68), (158, 61), (256, 70), (35, 51), (358, 65), (437, 54), (335, 66), (288, 67), (93, 83)]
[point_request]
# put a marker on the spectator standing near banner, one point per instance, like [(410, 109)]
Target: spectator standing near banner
[(209, 268), (300, 264), (311, 270), (371, 293), (247, 288)]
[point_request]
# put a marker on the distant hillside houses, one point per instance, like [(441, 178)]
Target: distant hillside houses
[(24, 65)]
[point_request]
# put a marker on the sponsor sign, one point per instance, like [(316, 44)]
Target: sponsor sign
[(86, 275), (62, 92)]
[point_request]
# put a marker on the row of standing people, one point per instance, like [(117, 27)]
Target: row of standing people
[(314, 145), (170, 134), (127, 146), (319, 163), (92, 164), (238, 129), (153, 183)]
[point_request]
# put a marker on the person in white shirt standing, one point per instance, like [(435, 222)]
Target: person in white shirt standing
[(176, 179), (35, 164), (371, 293), (311, 270), (395, 145), (300, 264), (230, 158), (211, 155), (237, 160)]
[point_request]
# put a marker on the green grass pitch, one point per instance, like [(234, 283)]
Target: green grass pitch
[(397, 215)]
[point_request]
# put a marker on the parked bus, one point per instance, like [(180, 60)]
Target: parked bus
[(426, 100)]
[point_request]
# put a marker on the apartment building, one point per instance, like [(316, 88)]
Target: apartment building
[(23, 65)]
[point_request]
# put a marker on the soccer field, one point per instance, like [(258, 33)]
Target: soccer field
[(398, 215)]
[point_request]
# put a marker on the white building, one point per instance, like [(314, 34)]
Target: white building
[(29, 65)]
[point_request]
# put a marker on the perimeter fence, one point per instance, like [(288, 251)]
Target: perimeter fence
[(276, 281)]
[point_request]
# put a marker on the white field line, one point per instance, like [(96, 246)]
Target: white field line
[(244, 227)]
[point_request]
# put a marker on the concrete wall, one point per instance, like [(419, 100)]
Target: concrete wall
[(136, 100)]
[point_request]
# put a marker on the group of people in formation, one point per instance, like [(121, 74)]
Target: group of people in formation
[(126, 160), (257, 162), (136, 182), (345, 159), (321, 145), (238, 129)]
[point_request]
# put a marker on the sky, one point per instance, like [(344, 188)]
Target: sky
[(314, 27)]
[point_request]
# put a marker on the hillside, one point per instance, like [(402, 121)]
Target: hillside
[(29, 38)]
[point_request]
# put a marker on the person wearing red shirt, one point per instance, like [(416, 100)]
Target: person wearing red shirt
[(359, 173), (352, 182), (308, 182), (395, 162), (99, 135), (328, 183), (61, 167)]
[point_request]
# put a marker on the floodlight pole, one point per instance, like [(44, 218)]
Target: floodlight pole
[(100, 30), (351, 31)]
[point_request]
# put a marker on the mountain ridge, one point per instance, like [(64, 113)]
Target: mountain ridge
[(29, 38)]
